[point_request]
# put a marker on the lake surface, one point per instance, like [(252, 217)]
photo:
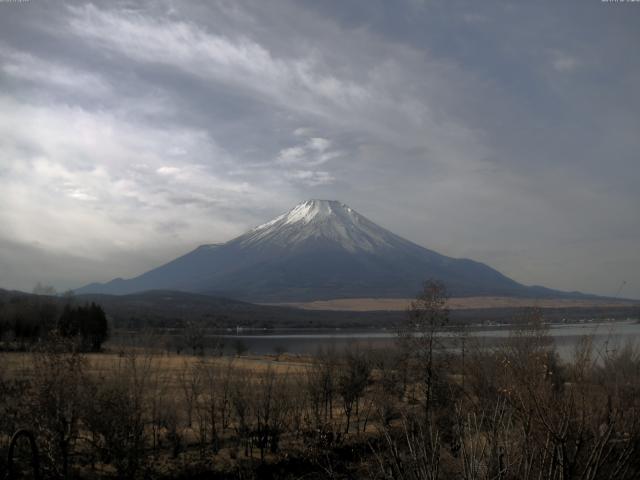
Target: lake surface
[(607, 337)]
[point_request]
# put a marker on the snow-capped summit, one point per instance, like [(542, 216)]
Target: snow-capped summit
[(307, 211), (313, 209), (320, 249), (320, 220)]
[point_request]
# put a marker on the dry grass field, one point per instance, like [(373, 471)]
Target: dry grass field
[(173, 414), (21, 364), (408, 413), (418, 410), (456, 303)]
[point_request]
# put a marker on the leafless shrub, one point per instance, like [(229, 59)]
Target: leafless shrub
[(271, 409), (353, 379), (116, 415), (412, 452), (159, 403), (190, 382), (242, 408), (213, 402), (320, 387), (58, 391), (566, 423), (387, 388), (14, 409), (481, 442)]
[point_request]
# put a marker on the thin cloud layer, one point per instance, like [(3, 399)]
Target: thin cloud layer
[(134, 132)]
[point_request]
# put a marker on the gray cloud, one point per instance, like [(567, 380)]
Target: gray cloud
[(503, 132)]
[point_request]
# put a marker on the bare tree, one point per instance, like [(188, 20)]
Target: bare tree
[(59, 379), (214, 401), (413, 453), (241, 403), (426, 316), (271, 409), (353, 379), (190, 381), (117, 414), (388, 388), (194, 336)]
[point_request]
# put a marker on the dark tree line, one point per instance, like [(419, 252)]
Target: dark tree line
[(25, 320), (89, 323)]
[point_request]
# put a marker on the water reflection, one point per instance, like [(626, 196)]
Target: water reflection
[(607, 338)]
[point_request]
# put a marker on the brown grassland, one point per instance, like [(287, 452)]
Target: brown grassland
[(416, 411), (455, 303)]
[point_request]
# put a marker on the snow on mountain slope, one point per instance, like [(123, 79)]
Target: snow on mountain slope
[(320, 249), (325, 220)]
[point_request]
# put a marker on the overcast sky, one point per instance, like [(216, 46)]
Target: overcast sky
[(506, 132)]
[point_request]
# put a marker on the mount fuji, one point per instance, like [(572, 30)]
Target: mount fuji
[(319, 250)]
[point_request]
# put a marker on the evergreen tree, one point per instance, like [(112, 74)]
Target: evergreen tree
[(88, 323), (97, 328)]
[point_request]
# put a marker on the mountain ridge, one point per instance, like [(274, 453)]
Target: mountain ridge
[(318, 250)]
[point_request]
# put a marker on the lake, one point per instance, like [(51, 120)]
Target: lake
[(607, 336)]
